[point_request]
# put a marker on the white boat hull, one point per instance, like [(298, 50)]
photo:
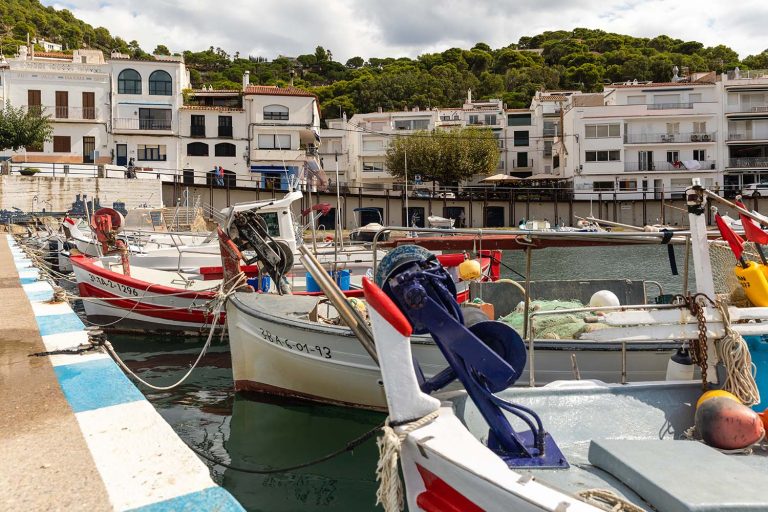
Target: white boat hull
[(277, 352)]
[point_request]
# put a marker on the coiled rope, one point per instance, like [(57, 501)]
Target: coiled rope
[(740, 371), (390, 491)]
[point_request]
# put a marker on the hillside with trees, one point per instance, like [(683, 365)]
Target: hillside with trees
[(583, 59)]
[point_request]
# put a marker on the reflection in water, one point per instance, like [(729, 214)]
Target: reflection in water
[(256, 432)]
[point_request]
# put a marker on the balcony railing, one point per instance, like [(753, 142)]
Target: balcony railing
[(749, 162), (748, 74), (550, 132), (522, 165), (747, 135), (669, 106), (663, 166), (753, 109), (132, 123), (654, 138), (62, 112), (225, 131), (197, 131)]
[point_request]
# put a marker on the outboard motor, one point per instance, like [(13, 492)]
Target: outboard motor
[(487, 357)]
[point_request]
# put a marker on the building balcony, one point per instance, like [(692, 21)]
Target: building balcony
[(747, 109), (669, 106), (197, 131), (136, 124), (748, 135), (522, 165), (65, 113), (664, 166), (666, 138), (749, 162), (288, 155)]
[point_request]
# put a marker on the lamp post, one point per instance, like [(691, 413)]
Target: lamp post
[(407, 213)]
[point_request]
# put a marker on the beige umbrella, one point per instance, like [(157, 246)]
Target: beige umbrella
[(499, 178), (543, 177)]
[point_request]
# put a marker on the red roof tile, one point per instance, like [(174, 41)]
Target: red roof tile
[(54, 55)]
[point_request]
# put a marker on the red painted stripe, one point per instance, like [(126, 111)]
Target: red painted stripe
[(150, 310), (379, 301), (88, 264), (441, 497)]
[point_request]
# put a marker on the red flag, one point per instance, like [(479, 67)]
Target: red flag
[(752, 229), (730, 236)]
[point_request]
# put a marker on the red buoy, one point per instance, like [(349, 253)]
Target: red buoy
[(728, 425)]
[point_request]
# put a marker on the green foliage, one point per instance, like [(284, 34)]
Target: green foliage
[(444, 156), (161, 49), (22, 129)]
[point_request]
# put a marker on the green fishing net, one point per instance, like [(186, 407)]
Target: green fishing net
[(554, 327)]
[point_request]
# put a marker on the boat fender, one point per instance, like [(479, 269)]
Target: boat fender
[(753, 280), (726, 424), (715, 393), (470, 270), (603, 298), (680, 365)]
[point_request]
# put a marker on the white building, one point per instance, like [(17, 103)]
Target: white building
[(642, 139), (146, 100), (74, 90), (745, 105)]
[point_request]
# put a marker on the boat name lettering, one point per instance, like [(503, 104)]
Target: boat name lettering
[(321, 351), (115, 286)]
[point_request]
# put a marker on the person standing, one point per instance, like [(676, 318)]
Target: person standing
[(220, 176)]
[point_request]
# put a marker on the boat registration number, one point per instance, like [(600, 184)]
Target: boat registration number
[(321, 351), (115, 286)]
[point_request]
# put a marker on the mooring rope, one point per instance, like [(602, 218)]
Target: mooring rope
[(740, 371), (607, 500)]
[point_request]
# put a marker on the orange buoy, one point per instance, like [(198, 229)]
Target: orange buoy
[(728, 425), (714, 393), (764, 418)]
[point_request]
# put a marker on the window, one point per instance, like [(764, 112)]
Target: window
[(550, 128), (129, 82), (661, 99), (521, 138), (275, 113), (547, 148), (412, 124), (225, 126), (700, 154), (673, 128), (225, 149), (628, 185), (62, 104), (151, 152), (373, 145), (490, 119), (34, 103), (160, 83), (62, 144), (89, 105), (602, 131), (154, 119), (636, 100), (373, 166), (474, 119), (673, 156), (197, 149), (89, 150), (377, 126), (273, 141), (603, 156), (700, 127), (197, 126), (600, 186), (519, 120), (499, 140), (522, 159)]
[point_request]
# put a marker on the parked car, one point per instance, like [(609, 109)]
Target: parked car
[(755, 189), (444, 194), (421, 192)]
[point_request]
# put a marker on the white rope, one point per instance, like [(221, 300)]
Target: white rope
[(390, 491), (739, 368)]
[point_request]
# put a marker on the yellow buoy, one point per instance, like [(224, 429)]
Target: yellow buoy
[(470, 270), (715, 393), (754, 281)]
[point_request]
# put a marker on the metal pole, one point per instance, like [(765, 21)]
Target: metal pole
[(623, 362), (526, 322), (687, 264), (405, 160)]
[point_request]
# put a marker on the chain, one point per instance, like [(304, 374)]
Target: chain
[(698, 346)]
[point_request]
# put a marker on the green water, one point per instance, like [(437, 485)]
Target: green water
[(259, 432)]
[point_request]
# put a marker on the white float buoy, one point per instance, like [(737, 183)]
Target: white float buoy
[(603, 298)]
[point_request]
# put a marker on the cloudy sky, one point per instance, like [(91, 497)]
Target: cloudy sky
[(394, 28)]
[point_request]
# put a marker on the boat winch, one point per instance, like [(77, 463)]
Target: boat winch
[(487, 357), (274, 257)]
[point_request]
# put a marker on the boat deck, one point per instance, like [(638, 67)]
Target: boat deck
[(625, 419)]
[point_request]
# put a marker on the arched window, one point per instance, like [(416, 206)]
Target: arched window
[(160, 83), (129, 82), (197, 149), (225, 149), (276, 113)]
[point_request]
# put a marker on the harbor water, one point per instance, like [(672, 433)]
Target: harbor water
[(259, 433)]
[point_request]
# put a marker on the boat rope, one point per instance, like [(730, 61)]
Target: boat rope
[(96, 340), (226, 289), (608, 500), (349, 447), (390, 491), (740, 371)]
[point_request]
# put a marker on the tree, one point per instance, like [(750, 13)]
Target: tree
[(161, 49), (355, 62), (22, 128), (444, 156)]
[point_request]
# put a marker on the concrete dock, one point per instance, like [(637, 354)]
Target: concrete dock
[(75, 433)]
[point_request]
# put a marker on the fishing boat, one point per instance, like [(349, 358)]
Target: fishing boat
[(576, 446)]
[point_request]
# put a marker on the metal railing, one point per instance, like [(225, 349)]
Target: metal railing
[(134, 123), (761, 134), (747, 74), (61, 112), (663, 166), (651, 138), (743, 109), (669, 106), (749, 162)]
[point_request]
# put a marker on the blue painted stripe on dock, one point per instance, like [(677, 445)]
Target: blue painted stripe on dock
[(57, 324), (28, 280), (212, 498), (95, 384), (40, 295)]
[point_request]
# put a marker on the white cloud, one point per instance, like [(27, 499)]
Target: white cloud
[(373, 28)]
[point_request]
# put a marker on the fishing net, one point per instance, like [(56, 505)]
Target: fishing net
[(554, 327), (723, 262)]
